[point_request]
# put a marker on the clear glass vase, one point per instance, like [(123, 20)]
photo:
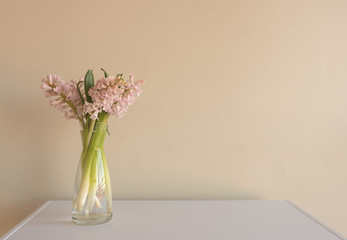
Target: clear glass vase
[(92, 196)]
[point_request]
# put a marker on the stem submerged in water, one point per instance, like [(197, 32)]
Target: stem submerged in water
[(92, 159)]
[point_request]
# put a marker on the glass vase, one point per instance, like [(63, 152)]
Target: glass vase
[(92, 196)]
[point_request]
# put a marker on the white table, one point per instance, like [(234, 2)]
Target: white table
[(183, 220)]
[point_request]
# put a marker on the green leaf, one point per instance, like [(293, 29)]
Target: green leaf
[(79, 91), (106, 74), (88, 84)]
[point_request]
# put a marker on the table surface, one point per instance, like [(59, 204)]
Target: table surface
[(201, 220)]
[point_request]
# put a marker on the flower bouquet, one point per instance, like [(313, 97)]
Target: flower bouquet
[(92, 104)]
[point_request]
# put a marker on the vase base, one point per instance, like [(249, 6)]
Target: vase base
[(91, 219)]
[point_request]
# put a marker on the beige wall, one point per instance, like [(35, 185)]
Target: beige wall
[(243, 100)]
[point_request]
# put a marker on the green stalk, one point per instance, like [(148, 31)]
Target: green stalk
[(88, 182), (86, 170), (90, 130), (84, 135), (93, 180), (108, 188), (87, 136)]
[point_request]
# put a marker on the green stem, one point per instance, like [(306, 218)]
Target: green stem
[(93, 182), (86, 170), (87, 134), (108, 188), (84, 135), (89, 169), (90, 130)]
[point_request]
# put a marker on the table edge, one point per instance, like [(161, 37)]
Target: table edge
[(316, 220), (25, 220)]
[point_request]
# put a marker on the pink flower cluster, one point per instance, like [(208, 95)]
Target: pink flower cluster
[(112, 95), (67, 100)]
